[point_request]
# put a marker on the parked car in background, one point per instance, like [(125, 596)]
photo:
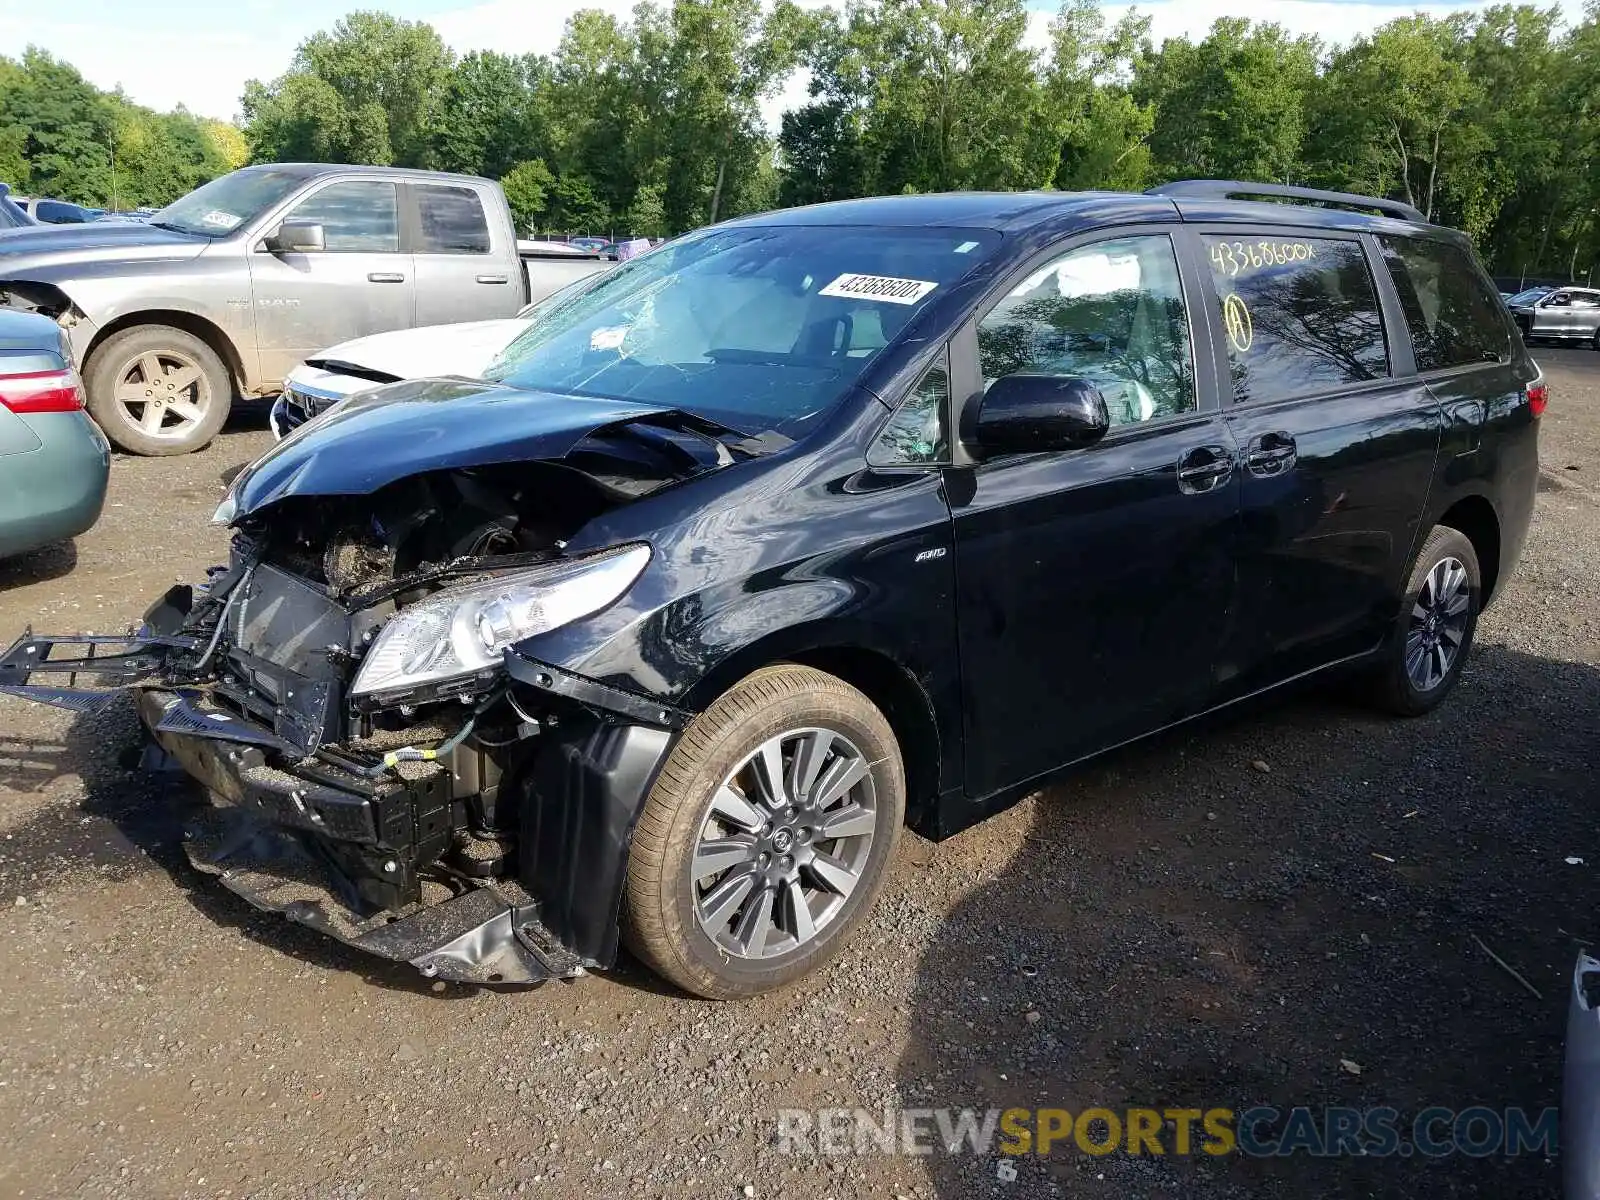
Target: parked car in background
[(1559, 314), (465, 350), (223, 292), (54, 461), (590, 245), (816, 524), (64, 212), (12, 214)]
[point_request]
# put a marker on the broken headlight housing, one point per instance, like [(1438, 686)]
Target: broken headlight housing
[(463, 630)]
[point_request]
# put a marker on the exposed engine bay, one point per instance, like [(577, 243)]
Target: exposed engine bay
[(373, 757)]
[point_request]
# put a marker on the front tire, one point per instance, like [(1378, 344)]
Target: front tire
[(1433, 633), (158, 390), (767, 836)]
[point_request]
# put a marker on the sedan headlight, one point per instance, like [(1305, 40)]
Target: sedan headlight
[(463, 630)]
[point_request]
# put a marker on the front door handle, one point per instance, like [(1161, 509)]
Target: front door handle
[(1204, 469), (385, 277), (494, 279), (1271, 454)]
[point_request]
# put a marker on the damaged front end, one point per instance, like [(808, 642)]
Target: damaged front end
[(374, 756)]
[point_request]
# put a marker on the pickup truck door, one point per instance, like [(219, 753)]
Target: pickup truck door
[(461, 274), (360, 283)]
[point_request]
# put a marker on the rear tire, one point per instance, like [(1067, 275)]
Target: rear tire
[(158, 390), (1433, 632), (722, 864)]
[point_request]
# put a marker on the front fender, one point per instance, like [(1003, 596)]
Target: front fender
[(214, 289)]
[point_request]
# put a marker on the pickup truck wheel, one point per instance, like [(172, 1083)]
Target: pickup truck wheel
[(158, 390), (1433, 633), (766, 837)]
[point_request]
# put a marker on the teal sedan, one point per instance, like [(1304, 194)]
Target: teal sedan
[(54, 461)]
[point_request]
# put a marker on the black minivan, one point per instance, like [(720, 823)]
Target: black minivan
[(812, 525)]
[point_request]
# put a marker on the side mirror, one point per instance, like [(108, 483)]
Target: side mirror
[(297, 237), (1025, 412)]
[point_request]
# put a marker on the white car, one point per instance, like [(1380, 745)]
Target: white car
[(465, 348)]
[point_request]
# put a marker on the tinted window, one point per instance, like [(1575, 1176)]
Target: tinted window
[(1585, 300), (919, 432), (354, 216), (1299, 314), (760, 327), (1112, 313), (452, 220), (1454, 316)]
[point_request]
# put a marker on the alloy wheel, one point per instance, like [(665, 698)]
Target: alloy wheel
[(164, 394), (784, 844), (1438, 624)]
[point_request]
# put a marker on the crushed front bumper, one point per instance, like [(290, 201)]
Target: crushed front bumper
[(317, 836)]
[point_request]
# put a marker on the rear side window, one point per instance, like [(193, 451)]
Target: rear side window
[(452, 220), (356, 217), (1299, 314), (1454, 315)]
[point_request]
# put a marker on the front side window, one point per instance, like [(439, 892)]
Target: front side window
[(1454, 316), (452, 220), (758, 327), (918, 434), (355, 217), (1299, 314), (1111, 313)]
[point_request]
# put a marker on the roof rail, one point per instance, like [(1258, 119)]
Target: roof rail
[(1230, 188)]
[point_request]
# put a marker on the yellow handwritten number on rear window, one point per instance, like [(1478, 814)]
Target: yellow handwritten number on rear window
[(1235, 258)]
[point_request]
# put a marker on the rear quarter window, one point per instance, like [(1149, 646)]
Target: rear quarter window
[(1299, 314), (1453, 314)]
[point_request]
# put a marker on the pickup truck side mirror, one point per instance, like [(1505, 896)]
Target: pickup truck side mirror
[(1025, 412), (297, 237)]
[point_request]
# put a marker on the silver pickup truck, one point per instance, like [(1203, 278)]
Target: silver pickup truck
[(223, 292)]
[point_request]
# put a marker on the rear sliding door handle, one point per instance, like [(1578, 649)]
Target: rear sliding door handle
[(385, 277), (1204, 469), (1271, 454), (494, 279)]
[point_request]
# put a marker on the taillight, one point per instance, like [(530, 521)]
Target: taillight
[(1538, 397), (41, 392)]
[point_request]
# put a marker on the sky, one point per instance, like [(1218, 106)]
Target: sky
[(201, 52)]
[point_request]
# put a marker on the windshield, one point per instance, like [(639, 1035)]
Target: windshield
[(760, 328), (218, 208), (1529, 296)]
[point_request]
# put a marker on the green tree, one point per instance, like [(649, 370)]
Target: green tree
[(381, 64), (490, 115), (528, 187), (647, 215), (1231, 107), (64, 124)]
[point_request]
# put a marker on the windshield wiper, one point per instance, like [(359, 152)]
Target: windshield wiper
[(178, 229)]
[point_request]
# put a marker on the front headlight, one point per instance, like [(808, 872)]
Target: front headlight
[(463, 630)]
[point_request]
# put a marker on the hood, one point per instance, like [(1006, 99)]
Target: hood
[(385, 435), (95, 241), (465, 348)]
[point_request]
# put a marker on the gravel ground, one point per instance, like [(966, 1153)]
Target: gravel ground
[(1216, 919)]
